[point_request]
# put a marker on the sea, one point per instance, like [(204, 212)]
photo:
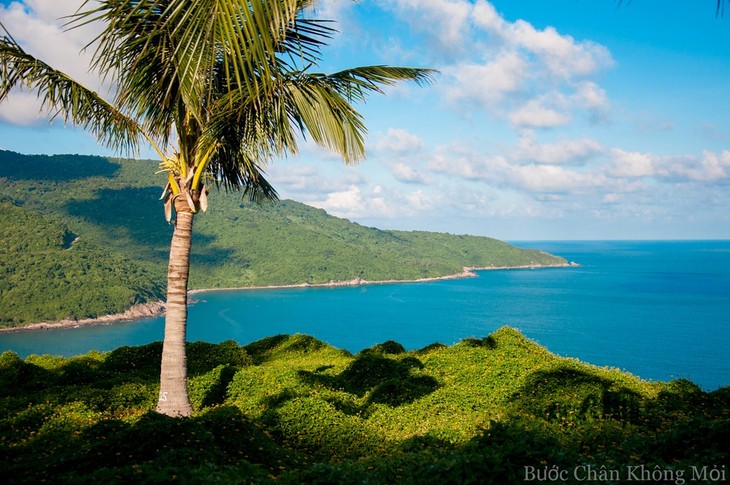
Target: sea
[(657, 309)]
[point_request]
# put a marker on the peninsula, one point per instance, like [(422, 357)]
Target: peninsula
[(91, 241)]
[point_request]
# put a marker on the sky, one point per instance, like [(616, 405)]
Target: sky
[(560, 120)]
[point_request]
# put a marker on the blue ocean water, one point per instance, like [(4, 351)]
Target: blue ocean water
[(660, 310)]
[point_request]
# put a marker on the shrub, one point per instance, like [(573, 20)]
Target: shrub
[(12, 370), (389, 348), (67, 420), (212, 388), (142, 362), (434, 347), (317, 427), (27, 422), (130, 398), (82, 370), (203, 356)]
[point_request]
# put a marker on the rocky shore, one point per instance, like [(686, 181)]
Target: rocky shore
[(144, 310)]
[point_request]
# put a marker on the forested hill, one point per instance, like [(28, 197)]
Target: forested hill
[(85, 236)]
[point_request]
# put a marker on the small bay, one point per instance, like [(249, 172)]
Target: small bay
[(657, 309)]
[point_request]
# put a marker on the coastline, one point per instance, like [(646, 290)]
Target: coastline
[(143, 310), (467, 272), (157, 308)]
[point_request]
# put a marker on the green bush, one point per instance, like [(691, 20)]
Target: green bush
[(589, 396), (203, 356), (210, 389), (129, 398), (390, 347), (141, 362), (66, 421), (317, 427)]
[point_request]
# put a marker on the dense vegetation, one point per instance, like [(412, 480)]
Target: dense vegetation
[(49, 273), (293, 409), (113, 208)]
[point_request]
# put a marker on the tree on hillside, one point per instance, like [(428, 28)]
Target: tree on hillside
[(218, 88)]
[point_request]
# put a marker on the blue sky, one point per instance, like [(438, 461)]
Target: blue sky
[(568, 119)]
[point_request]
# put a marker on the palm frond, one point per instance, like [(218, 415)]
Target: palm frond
[(136, 54), (319, 110), (304, 105), (259, 189), (64, 97), (168, 54), (320, 105), (302, 41), (357, 82), (235, 152)]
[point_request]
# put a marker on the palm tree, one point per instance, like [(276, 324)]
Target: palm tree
[(218, 88)]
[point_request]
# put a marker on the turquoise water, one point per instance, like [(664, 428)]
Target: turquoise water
[(660, 310)]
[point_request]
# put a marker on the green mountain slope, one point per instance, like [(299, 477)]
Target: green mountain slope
[(112, 206), (49, 273), (291, 409)]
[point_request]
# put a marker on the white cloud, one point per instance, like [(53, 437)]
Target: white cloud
[(613, 198), (445, 22), (554, 178), (354, 202), (310, 181), (485, 83), (593, 98), (398, 142), (530, 181), (37, 25), (401, 151), (406, 173), (632, 164), (508, 68), (297, 177), (561, 152), (332, 9), (464, 162), (420, 201), (22, 108), (345, 203), (590, 95), (710, 167), (498, 171), (485, 16), (560, 54), (537, 113)]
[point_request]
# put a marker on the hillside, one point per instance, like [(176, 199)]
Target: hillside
[(47, 271), (291, 409), (110, 208)]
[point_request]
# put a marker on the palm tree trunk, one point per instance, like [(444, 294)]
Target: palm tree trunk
[(173, 399)]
